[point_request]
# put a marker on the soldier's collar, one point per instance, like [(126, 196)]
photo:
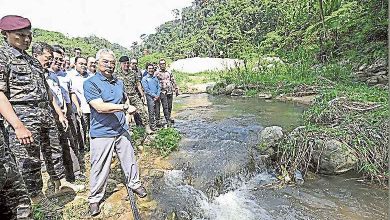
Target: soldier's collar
[(15, 52)]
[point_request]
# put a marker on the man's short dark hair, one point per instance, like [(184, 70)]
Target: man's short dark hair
[(149, 64), (123, 59), (59, 49), (76, 49), (77, 58), (40, 47)]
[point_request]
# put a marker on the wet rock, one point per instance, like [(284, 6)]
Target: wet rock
[(333, 157), (184, 215), (156, 174), (298, 177), (269, 136), (171, 216), (229, 89), (265, 96), (237, 92)]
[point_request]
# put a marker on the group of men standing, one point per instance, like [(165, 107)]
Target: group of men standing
[(36, 121), (154, 87), (61, 107)]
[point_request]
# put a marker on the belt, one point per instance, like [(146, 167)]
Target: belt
[(28, 102)]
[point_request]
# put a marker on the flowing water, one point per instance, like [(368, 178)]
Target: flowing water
[(218, 173)]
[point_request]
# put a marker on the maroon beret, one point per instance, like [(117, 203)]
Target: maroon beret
[(14, 22)]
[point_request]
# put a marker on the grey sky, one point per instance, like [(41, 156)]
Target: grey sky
[(119, 21)]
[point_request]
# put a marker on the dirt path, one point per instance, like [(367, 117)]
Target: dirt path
[(116, 205)]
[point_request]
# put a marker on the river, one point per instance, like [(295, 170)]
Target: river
[(219, 175)]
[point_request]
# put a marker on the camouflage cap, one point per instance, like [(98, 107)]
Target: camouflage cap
[(14, 22)]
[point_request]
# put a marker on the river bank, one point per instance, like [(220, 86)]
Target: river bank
[(219, 173), (344, 116), (218, 168)]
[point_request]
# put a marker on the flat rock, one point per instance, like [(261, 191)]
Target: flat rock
[(265, 96), (237, 92)]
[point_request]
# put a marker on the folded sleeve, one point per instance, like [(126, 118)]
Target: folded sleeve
[(91, 91)]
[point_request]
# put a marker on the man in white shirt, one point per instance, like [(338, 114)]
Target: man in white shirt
[(78, 77)]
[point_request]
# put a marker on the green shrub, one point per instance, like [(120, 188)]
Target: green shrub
[(166, 141)]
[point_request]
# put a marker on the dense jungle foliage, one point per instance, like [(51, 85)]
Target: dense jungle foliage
[(88, 45), (322, 43), (246, 28)]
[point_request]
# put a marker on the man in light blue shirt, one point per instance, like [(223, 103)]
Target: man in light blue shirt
[(152, 89), (72, 157)]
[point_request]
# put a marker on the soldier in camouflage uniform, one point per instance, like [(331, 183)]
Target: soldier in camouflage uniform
[(131, 78), (24, 103), (57, 155), (14, 202)]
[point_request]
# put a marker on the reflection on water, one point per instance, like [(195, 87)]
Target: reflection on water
[(264, 112), (218, 174)]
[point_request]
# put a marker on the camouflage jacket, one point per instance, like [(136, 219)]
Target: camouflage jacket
[(21, 77), (130, 80)]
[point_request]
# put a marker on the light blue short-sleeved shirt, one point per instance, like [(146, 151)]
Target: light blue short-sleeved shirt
[(112, 91)]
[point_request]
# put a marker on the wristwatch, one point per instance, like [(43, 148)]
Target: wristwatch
[(125, 107)]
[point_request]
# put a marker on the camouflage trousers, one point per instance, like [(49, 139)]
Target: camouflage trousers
[(140, 117), (14, 200), (44, 131)]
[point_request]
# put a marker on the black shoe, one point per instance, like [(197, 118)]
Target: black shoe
[(172, 121), (140, 191), (94, 209)]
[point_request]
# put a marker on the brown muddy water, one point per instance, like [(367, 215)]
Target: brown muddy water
[(219, 175)]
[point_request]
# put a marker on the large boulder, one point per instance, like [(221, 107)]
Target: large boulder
[(269, 137), (333, 157), (218, 88), (229, 89)]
